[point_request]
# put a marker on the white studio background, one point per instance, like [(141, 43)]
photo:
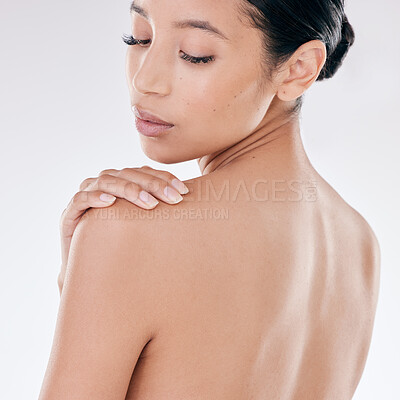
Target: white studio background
[(65, 115)]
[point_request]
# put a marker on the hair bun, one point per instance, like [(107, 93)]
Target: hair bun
[(334, 61), (347, 32)]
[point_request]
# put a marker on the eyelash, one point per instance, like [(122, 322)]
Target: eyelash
[(131, 41)]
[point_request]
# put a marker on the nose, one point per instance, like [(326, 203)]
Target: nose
[(154, 72)]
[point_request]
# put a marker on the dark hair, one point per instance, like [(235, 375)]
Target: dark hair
[(287, 24)]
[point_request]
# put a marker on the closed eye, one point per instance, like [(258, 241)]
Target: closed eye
[(131, 41)]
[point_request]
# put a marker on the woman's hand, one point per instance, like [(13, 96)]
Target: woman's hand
[(136, 185)]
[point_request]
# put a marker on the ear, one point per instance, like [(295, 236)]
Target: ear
[(301, 70)]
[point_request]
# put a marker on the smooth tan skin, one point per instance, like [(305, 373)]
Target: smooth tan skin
[(129, 184), (275, 301)]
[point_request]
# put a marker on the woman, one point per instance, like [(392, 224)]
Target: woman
[(262, 282)]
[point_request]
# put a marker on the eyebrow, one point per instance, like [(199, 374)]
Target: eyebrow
[(186, 23)]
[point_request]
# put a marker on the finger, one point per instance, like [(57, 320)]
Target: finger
[(77, 206), (168, 177), (154, 185), (85, 183), (110, 171), (122, 188), (171, 179)]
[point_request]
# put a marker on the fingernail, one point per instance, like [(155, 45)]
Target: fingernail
[(172, 194), (108, 198), (180, 186), (148, 198)]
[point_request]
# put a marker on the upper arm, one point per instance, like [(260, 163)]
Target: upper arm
[(105, 315), (371, 261)]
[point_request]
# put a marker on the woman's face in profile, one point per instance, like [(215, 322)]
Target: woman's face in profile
[(212, 104)]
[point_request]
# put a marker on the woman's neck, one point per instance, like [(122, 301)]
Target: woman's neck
[(277, 135)]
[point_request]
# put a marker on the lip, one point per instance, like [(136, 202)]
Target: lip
[(149, 124), (151, 129), (147, 116)]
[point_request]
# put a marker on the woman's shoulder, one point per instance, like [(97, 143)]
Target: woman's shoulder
[(357, 234), (173, 232), (166, 225)]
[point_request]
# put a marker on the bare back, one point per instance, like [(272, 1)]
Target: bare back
[(276, 300)]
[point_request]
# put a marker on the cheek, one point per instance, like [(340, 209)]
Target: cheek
[(227, 102), (132, 66), (129, 70)]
